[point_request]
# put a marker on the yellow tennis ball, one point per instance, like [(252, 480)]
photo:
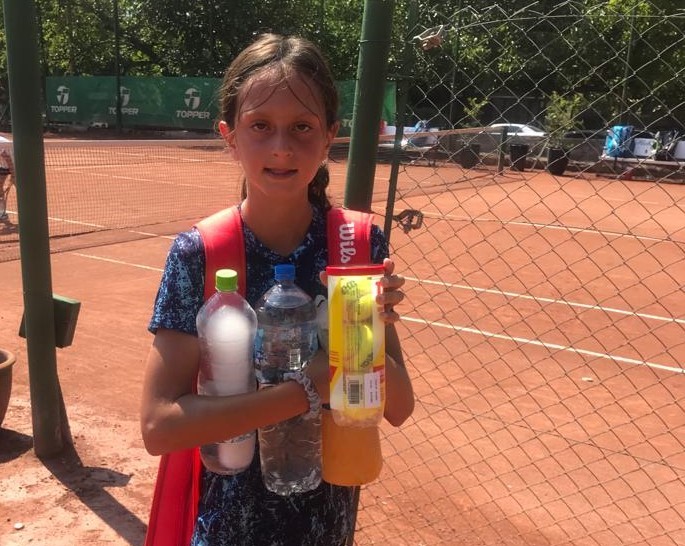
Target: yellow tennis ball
[(365, 307), (365, 344)]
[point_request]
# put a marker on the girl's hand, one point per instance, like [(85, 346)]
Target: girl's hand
[(391, 295), (317, 371)]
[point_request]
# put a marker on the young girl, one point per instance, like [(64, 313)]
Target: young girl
[(279, 107)]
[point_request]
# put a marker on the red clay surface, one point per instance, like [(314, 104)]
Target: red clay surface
[(543, 330)]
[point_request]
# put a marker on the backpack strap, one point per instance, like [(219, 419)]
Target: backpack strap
[(222, 238), (349, 236), (175, 500)]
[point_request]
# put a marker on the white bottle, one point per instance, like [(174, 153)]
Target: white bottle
[(226, 327)]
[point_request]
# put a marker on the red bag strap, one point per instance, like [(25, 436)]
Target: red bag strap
[(349, 237), (222, 238), (175, 499)]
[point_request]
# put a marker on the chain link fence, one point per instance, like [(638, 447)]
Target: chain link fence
[(544, 324)]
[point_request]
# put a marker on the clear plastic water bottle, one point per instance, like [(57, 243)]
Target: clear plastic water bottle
[(226, 328), (290, 451)]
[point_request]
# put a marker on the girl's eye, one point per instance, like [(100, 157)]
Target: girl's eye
[(302, 127), (260, 126)]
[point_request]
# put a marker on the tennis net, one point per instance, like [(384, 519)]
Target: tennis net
[(102, 191)]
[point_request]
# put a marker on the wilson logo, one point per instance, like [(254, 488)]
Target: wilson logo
[(346, 241)]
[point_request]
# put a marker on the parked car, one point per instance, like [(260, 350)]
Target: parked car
[(585, 134), (518, 129), (418, 141), (490, 137)]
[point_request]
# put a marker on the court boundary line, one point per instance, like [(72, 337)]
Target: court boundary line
[(615, 234), (546, 345), (516, 295), (466, 329)]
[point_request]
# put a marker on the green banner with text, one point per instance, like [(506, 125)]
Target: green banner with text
[(163, 103), (346, 90)]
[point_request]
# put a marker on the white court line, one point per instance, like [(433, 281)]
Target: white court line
[(525, 341), (118, 262), (551, 346), (616, 234), (157, 235), (98, 226), (550, 300), (120, 165), (76, 222), (152, 181)]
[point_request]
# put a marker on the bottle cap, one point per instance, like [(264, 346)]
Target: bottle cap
[(284, 272), (226, 280)]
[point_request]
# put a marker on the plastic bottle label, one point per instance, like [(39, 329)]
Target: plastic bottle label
[(357, 350), (364, 390)]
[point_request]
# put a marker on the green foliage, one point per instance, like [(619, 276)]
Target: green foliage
[(563, 115), (473, 110), (525, 49)]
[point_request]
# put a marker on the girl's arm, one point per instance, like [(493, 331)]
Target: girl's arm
[(399, 395), (174, 418)]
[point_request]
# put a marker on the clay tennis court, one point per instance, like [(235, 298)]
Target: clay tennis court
[(543, 329)]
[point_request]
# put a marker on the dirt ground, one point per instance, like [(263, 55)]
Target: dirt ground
[(99, 491), (96, 493)]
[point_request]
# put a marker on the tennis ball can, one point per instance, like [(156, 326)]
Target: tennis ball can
[(356, 338)]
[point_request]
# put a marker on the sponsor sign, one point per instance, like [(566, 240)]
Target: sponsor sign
[(155, 102)]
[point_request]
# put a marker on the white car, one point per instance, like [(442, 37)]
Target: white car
[(518, 129)]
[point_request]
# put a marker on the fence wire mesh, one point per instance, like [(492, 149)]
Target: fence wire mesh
[(544, 324)]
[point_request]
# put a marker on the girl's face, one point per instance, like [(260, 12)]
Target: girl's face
[(280, 136)]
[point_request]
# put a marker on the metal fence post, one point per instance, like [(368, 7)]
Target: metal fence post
[(400, 117), (368, 102), (47, 407)]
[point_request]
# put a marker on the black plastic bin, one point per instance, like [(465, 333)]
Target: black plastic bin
[(518, 153)]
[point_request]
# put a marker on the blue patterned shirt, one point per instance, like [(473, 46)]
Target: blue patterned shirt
[(238, 510)]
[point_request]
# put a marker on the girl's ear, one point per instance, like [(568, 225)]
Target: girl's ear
[(227, 134), (330, 135)]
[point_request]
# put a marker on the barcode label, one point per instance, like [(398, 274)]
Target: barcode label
[(354, 390), (372, 390), (364, 390)]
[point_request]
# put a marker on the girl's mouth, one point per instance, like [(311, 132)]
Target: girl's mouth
[(281, 172)]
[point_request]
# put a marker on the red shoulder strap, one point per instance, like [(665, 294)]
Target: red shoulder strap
[(349, 236), (175, 499), (222, 238), (177, 488)]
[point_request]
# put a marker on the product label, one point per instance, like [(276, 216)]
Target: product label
[(356, 349)]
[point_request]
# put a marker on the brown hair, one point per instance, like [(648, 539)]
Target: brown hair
[(290, 55)]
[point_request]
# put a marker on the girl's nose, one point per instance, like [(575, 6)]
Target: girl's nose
[(281, 143)]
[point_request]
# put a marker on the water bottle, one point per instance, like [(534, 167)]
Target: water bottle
[(290, 451), (226, 328)]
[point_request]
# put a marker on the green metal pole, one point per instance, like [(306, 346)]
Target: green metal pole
[(368, 102), (117, 70), (366, 116), (625, 109), (455, 57), (24, 86), (404, 83)]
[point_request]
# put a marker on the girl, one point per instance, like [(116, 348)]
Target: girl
[(279, 107)]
